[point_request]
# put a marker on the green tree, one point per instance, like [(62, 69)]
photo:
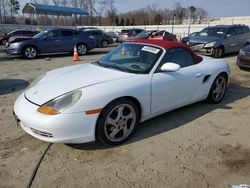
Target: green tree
[(117, 21), (158, 19), (127, 21), (122, 22), (192, 10)]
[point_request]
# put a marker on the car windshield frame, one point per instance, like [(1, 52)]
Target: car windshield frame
[(137, 58), (213, 32), (39, 35)]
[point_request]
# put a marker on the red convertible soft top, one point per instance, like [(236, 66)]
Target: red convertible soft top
[(168, 45)]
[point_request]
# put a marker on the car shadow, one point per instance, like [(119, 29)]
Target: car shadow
[(8, 86), (174, 119)]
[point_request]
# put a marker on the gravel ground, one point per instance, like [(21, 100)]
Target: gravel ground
[(200, 145)]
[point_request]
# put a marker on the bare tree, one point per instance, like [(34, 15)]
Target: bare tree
[(100, 8), (111, 10)]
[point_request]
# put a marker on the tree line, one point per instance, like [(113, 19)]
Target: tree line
[(104, 12)]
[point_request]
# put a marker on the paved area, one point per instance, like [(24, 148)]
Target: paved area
[(200, 145)]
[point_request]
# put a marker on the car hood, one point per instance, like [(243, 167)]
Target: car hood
[(61, 81), (201, 39), (19, 38)]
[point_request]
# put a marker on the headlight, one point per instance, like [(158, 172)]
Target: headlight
[(210, 44), (61, 103), (242, 52), (15, 44), (36, 81)]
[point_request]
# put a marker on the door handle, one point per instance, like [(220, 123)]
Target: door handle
[(198, 74), (58, 40)]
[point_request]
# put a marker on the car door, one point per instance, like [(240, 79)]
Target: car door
[(98, 36), (67, 41), (171, 90), (49, 43), (232, 41)]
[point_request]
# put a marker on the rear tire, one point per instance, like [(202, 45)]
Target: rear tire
[(218, 89), (82, 49), (117, 122), (104, 44)]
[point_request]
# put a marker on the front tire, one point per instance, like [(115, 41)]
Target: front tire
[(117, 122), (219, 52), (30, 52), (218, 89)]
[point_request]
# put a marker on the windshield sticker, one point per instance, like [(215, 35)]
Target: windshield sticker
[(150, 49)]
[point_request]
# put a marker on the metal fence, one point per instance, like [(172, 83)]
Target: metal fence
[(179, 30)]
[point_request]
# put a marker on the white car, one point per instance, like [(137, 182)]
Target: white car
[(106, 99)]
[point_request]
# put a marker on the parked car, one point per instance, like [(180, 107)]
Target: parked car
[(3, 38), (105, 100), (186, 38), (155, 35), (20, 32), (243, 59), (53, 41), (114, 35), (125, 34), (221, 39), (102, 39)]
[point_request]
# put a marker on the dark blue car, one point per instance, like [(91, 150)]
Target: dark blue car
[(52, 41)]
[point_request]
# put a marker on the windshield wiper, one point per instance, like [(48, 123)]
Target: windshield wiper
[(114, 66)]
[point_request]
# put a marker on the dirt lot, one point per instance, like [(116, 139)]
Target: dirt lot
[(199, 146)]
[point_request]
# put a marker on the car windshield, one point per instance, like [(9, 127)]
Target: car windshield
[(40, 34), (132, 58), (212, 32), (144, 34)]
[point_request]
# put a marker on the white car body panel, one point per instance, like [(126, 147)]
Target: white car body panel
[(156, 93)]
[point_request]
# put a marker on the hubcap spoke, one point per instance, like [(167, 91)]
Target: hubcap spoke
[(115, 131), (120, 112), (111, 122)]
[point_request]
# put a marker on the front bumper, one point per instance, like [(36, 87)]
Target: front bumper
[(13, 51), (200, 49), (243, 61), (61, 128)]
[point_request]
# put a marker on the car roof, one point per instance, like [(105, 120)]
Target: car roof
[(227, 26), (168, 45), (162, 43)]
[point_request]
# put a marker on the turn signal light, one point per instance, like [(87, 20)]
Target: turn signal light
[(48, 110)]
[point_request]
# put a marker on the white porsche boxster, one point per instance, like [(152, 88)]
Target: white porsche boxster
[(105, 100)]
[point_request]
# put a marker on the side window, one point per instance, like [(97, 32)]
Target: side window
[(76, 32), (96, 33), (66, 33), (53, 34), (231, 32), (16, 33), (179, 56)]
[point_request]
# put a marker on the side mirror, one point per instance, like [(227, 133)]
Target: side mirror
[(170, 67)]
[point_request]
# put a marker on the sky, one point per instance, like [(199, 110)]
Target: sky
[(215, 8)]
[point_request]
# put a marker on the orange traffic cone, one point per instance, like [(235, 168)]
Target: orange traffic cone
[(75, 56)]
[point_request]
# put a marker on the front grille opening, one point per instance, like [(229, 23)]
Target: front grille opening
[(42, 133)]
